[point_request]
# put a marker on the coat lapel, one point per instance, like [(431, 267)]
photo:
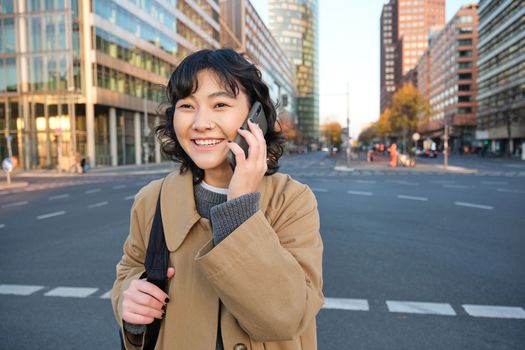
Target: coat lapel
[(178, 209)]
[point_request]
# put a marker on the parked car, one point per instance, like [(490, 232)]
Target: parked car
[(429, 153)]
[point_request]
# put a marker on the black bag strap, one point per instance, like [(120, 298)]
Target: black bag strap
[(156, 264)]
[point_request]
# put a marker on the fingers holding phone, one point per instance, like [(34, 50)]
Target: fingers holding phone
[(249, 171)]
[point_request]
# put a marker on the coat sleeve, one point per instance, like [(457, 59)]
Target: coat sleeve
[(130, 267), (269, 275)]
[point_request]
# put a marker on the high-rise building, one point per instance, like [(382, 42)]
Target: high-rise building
[(412, 23), (244, 31), (448, 79), (390, 68), (294, 24), (84, 76), (501, 78)]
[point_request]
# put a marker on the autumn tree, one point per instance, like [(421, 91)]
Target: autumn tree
[(408, 108), (332, 133)]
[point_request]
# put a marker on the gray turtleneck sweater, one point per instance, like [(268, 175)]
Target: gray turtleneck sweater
[(225, 216)]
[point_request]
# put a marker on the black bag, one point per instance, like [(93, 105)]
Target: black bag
[(156, 264)]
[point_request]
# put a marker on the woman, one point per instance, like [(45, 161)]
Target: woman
[(244, 242)]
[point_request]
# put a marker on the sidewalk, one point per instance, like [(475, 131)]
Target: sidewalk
[(382, 163)]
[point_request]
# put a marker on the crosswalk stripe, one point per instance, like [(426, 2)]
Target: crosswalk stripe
[(71, 292), (319, 190), (346, 304), (472, 205), (92, 191), (495, 311), (414, 198), (129, 198), (61, 196), (16, 204), (50, 215), (106, 295), (360, 193), (2, 225), (420, 308), (96, 205), (16, 289), (456, 186)]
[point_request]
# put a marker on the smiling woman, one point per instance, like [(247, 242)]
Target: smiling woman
[(245, 252)]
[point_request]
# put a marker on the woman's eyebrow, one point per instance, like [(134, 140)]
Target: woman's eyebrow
[(221, 94)]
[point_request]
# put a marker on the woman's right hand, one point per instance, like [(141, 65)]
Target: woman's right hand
[(143, 301)]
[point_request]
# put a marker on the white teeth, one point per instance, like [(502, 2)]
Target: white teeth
[(207, 142)]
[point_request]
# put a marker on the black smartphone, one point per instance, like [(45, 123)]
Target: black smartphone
[(257, 116)]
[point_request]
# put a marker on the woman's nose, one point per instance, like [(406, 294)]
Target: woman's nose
[(201, 122)]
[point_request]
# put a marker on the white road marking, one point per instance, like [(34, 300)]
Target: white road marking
[(71, 292), (16, 204), (61, 196), (494, 182), (92, 191), (403, 182), (50, 215), (129, 198), (443, 182), (366, 181), (509, 190), (17, 289), (414, 198), (494, 311), (346, 304), (360, 193), (473, 205), (319, 189), (106, 295), (456, 186), (2, 225), (117, 187), (96, 205), (420, 308)]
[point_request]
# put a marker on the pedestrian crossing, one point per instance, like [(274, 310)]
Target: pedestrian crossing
[(342, 304)]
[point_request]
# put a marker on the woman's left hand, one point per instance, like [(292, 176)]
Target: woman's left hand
[(250, 171)]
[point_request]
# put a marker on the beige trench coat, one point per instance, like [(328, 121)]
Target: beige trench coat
[(267, 273)]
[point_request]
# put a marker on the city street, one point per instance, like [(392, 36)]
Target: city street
[(413, 259)]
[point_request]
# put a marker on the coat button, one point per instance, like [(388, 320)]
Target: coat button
[(240, 347)]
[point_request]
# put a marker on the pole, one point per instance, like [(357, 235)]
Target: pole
[(445, 158), (348, 145)]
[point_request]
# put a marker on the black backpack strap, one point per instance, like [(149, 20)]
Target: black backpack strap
[(156, 264)]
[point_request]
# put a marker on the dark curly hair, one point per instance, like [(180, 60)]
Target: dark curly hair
[(236, 74)]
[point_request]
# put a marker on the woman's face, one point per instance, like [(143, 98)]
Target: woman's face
[(205, 121)]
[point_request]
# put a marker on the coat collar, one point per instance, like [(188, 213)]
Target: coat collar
[(179, 212)]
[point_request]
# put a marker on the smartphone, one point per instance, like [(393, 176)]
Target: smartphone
[(257, 116)]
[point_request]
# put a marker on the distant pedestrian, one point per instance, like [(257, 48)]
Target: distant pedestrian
[(393, 155), (245, 250)]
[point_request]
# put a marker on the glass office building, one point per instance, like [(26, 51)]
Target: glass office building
[(85, 77), (294, 23)]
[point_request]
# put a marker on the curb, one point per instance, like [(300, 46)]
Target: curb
[(13, 185)]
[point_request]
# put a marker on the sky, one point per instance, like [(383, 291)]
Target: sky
[(349, 36)]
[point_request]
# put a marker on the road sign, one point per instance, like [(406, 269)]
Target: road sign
[(416, 136), (7, 165)]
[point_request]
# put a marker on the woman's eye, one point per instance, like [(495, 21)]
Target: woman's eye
[(221, 105), (185, 106)]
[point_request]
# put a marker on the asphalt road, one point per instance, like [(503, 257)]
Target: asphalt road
[(410, 261)]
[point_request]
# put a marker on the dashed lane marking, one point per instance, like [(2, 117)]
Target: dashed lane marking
[(509, 190), (16, 204), (346, 304), (473, 205), (504, 312), (96, 205), (16, 289), (456, 186), (319, 190), (414, 198), (2, 225), (129, 198), (118, 187), (495, 311), (360, 193), (50, 215), (71, 292), (366, 181), (60, 196), (420, 308), (494, 183), (92, 191)]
